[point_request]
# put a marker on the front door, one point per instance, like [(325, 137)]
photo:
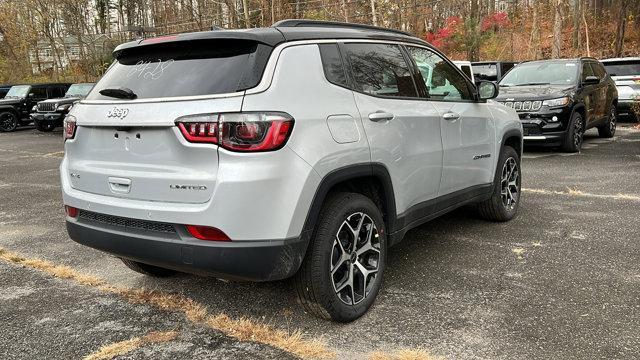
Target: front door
[(466, 126)]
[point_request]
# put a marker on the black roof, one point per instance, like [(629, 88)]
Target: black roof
[(43, 84), (284, 31)]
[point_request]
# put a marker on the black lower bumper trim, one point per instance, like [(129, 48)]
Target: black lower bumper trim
[(252, 260)]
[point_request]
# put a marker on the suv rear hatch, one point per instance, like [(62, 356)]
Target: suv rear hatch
[(626, 74), (132, 148)]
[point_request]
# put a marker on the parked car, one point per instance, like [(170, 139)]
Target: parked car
[(626, 73), (48, 114), (4, 89), (465, 66), (558, 100), (491, 70), (304, 149), (20, 100)]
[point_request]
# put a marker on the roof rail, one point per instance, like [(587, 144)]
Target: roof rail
[(319, 23)]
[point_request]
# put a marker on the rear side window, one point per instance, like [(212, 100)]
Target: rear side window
[(332, 64), (598, 70), (380, 69), (623, 68), (204, 67), (39, 92)]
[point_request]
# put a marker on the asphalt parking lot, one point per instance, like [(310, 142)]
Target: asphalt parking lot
[(560, 281)]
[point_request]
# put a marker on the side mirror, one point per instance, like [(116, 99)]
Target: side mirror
[(591, 80), (487, 90)]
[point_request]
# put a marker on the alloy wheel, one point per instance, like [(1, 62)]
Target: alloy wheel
[(578, 133), (7, 122), (510, 189), (612, 120), (355, 258)]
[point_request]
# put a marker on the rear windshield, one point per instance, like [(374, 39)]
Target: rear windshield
[(623, 68), (186, 69), (487, 72)]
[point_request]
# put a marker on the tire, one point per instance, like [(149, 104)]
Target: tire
[(44, 127), (148, 270), (327, 268), (8, 121), (608, 130), (575, 134), (505, 199)]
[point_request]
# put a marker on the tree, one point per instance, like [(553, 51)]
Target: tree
[(557, 31), (621, 27)]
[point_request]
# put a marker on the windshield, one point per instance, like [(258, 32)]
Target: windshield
[(542, 73), (78, 90), (623, 68), (185, 69), (20, 91)]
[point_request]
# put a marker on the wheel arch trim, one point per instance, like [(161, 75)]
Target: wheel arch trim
[(367, 170)]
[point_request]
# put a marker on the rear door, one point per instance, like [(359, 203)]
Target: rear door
[(467, 128), (591, 94), (132, 148), (403, 129)]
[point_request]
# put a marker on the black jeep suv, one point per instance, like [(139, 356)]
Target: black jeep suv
[(49, 113), (17, 104), (557, 100)]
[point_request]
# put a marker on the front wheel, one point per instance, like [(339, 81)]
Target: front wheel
[(505, 198), (8, 121), (341, 274), (575, 134), (608, 130)]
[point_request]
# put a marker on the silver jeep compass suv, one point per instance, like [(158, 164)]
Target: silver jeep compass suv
[(305, 149)]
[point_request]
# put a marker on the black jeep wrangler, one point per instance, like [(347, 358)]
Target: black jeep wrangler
[(558, 100), (49, 114), (18, 102)]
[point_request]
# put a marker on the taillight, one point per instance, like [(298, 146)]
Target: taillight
[(69, 127), (246, 132), (71, 211), (201, 132), (207, 233)]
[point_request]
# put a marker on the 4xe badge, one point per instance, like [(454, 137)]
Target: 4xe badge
[(117, 113)]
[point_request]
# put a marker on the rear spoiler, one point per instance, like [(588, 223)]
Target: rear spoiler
[(267, 36)]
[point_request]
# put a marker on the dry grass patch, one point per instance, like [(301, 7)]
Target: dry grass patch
[(580, 193), (241, 329), (406, 354), (110, 351)]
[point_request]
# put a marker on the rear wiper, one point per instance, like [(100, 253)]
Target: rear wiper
[(119, 92)]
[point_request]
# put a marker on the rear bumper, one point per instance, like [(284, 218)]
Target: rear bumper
[(263, 260)]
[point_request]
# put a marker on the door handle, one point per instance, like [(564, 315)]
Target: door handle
[(451, 116), (380, 116)]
